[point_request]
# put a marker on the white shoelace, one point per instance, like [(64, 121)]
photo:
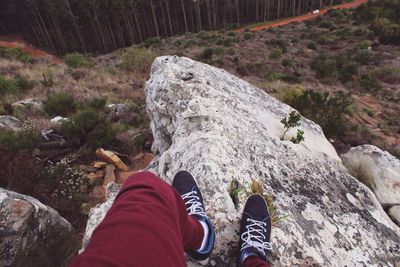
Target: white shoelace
[(254, 236), (193, 201)]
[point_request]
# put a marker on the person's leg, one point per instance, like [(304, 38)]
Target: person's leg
[(147, 225), (255, 233)]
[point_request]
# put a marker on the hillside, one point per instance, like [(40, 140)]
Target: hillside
[(340, 70)]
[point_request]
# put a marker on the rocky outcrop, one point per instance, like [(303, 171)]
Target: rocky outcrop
[(10, 123), (394, 213), (32, 234), (222, 129), (33, 104), (377, 168)]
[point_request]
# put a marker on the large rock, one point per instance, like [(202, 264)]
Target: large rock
[(32, 234), (377, 168), (221, 128), (10, 123), (33, 104)]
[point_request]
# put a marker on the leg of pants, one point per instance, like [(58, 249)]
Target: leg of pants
[(254, 261), (147, 226)]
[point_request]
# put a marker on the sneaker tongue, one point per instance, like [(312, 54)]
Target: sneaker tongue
[(251, 251)]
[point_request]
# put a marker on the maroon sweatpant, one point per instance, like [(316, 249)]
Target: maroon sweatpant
[(147, 226)]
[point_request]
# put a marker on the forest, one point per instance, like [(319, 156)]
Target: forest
[(100, 26)]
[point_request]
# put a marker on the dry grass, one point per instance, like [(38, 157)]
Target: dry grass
[(360, 168), (276, 217)]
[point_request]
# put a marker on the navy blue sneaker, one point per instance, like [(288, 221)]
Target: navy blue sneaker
[(187, 187), (255, 230)]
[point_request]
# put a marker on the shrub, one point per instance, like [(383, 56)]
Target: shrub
[(230, 51), (388, 74), (190, 43), (60, 104), (291, 121), (98, 103), (278, 43), (248, 35), (202, 35), (152, 41), (324, 66), (206, 54), (77, 60), (275, 53), (25, 139), (138, 59), (231, 34), (369, 82), (23, 83), (328, 111), (8, 86), (16, 53), (47, 80), (286, 62), (312, 45)]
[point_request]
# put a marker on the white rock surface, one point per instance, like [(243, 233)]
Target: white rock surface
[(30, 103), (32, 234), (221, 128), (58, 120), (383, 169), (394, 212), (10, 123)]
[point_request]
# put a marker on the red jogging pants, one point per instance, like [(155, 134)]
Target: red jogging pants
[(147, 226)]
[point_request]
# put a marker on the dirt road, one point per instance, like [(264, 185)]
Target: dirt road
[(272, 24)]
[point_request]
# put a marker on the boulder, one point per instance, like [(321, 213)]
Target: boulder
[(34, 104), (394, 213), (32, 234), (379, 169), (10, 123), (222, 129)]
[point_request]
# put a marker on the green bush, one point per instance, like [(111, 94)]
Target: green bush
[(278, 43), (189, 43), (8, 86), (152, 41), (388, 74), (26, 139), (326, 110), (138, 59), (312, 45), (324, 66), (98, 103), (77, 60), (369, 82), (23, 83), (275, 53), (206, 54), (230, 51), (287, 63), (248, 35), (60, 104), (16, 53)]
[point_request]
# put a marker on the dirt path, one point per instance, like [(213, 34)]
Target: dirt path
[(308, 16), (29, 50)]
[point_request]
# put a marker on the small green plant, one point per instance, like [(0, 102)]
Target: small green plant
[(369, 82), (138, 59), (248, 35), (276, 217), (206, 54), (293, 121), (77, 60), (275, 53), (16, 53), (47, 80), (60, 104), (8, 86), (152, 41), (25, 139), (98, 103), (234, 190), (287, 63), (312, 45)]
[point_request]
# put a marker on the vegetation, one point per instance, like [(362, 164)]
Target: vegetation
[(360, 168), (138, 59), (26, 139), (104, 26), (77, 60), (326, 110), (13, 86), (60, 104), (15, 53), (293, 120)]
